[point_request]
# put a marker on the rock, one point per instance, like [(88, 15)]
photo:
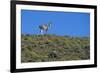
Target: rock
[(53, 54)]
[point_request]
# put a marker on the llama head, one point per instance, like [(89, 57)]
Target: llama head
[(49, 24)]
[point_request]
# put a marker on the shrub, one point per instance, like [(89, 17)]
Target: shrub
[(48, 47)]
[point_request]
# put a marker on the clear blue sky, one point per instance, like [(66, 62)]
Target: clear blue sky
[(63, 23)]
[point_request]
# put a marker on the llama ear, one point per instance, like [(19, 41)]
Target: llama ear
[(50, 23)]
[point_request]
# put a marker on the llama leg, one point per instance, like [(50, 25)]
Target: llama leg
[(41, 31), (46, 31)]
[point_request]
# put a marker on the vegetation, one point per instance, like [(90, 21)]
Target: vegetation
[(44, 48)]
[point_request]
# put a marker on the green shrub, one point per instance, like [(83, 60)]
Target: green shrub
[(40, 48)]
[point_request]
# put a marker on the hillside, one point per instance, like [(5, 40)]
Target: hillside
[(42, 48)]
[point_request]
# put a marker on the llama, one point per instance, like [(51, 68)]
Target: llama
[(44, 28)]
